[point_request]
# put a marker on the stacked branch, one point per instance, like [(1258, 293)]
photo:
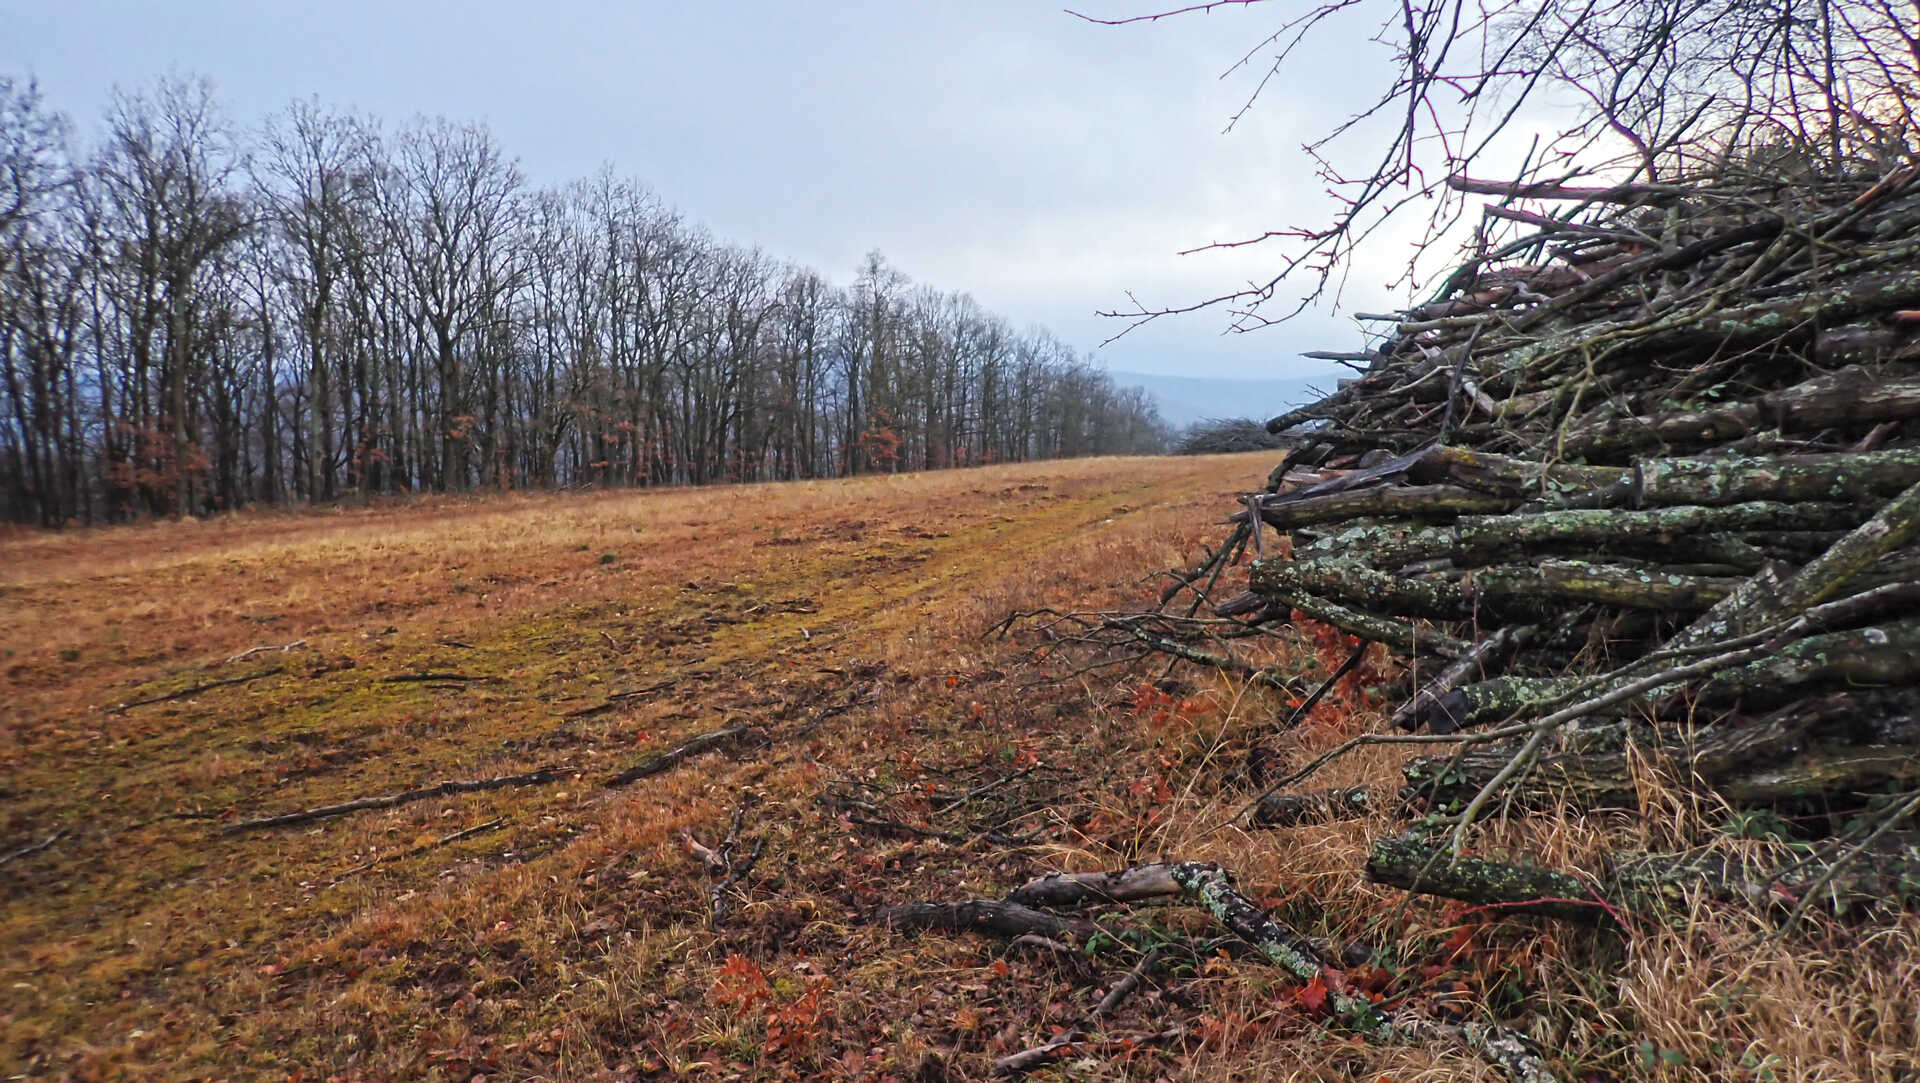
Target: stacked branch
[(1654, 481)]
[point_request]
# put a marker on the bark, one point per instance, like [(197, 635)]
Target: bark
[(1008, 919), (1073, 889), (1885, 654), (1486, 536), (694, 745), (395, 800), (1320, 806), (1487, 653), (1848, 397), (1746, 763), (1839, 477), (1503, 475), (1369, 626), (1413, 501), (1580, 581), (1653, 885)]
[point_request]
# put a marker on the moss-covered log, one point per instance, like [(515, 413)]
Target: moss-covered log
[(1352, 582), (1654, 885), (1583, 581), (1511, 1053), (1837, 744), (1320, 806), (1397, 633), (1508, 476), (1604, 528), (1429, 502), (1883, 655), (1849, 397), (1719, 481)]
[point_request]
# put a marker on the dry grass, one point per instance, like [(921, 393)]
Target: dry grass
[(843, 621)]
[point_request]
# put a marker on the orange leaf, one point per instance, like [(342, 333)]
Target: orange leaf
[(1313, 996)]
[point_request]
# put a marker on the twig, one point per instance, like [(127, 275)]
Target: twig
[(443, 840), (395, 800), (1029, 1059), (34, 848), (265, 648), (194, 690), (694, 745)]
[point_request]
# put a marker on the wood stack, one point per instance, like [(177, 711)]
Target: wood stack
[(1647, 479)]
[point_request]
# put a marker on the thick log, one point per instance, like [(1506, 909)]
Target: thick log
[(1748, 764), (1845, 398), (1378, 629), (1072, 889), (1886, 654), (1830, 574), (1320, 806), (1352, 582), (1839, 477), (1408, 501), (1007, 919), (1824, 773), (1654, 885), (1702, 534), (1581, 581), (1802, 312), (1506, 476), (1480, 536)]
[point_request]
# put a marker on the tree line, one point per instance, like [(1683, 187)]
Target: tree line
[(197, 317)]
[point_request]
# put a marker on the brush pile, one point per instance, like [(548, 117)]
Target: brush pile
[(1639, 487), (1226, 436)]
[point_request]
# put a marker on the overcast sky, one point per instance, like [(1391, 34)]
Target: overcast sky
[(1002, 148)]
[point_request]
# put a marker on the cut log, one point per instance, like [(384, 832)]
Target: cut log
[(1746, 763), (1715, 482), (1320, 806), (1411, 501), (1484, 656), (1848, 397), (1651, 884), (1007, 919)]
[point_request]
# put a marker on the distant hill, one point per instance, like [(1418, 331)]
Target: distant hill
[(1184, 400)]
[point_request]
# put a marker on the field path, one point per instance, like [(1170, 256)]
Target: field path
[(165, 682)]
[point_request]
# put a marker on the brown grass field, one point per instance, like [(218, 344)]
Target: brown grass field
[(894, 752)]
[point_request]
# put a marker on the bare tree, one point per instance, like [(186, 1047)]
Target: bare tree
[(449, 203), (311, 174), (365, 315), (1655, 89), (160, 191)]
